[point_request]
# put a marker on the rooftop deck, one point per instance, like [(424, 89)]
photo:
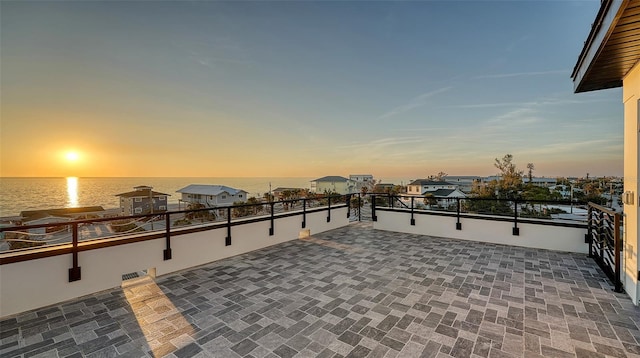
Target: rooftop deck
[(350, 292)]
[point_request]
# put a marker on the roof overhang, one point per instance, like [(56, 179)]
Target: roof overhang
[(612, 47)]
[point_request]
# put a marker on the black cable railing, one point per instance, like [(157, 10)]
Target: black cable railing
[(60, 238), (605, 241)]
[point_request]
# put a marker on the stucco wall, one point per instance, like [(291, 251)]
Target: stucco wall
[(631, 98), (42, 282), (498, 232)]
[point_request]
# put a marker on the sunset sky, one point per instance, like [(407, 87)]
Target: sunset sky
[(213, 89)]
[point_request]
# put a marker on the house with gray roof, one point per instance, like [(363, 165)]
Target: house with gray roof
[(142, 200), (421, 186), (333, 184), (211, 195)]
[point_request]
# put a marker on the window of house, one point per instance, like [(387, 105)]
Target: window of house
[(239, 195), (137, 210), (163, 198), (162, 207), (223, 197), (138, 200)]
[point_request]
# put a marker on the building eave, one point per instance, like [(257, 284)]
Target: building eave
[(612, 47)]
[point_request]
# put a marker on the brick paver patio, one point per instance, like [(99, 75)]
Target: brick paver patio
[(351, 292)]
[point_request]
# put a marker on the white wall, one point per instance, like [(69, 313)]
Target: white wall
[(630, 98), (498, 232), (37, 283)]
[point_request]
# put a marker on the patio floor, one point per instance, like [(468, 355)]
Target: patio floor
[(351, 292)]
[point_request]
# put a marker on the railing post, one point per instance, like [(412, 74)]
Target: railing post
[(74, 272), (390, 199), (589, 237), (167, 250), (348, 206), (329, 208), (458, 223), (227, 240), (516, 229), (373, 208), (601, 234), (304, 212), (617, 249), (359, 207), (413, 220), (271, 228)]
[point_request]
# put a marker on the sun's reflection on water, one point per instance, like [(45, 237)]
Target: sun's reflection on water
[(72, 192)]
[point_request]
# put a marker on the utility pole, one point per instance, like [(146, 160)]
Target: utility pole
[(571, 196)]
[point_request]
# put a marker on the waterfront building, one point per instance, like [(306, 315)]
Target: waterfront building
[(361, 180), (212, 195), (428, 186), (142, 200), (540, 181), (333, 184), (464, 182)]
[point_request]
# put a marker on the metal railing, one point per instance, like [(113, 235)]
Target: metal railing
[(605, 241), (67, 237), (553, 212)]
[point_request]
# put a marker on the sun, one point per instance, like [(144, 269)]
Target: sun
[(72, 156)]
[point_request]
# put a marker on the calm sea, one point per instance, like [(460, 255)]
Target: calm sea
[(18, 194)]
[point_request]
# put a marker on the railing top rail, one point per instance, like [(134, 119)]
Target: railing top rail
[(160, 213), (604, 209)]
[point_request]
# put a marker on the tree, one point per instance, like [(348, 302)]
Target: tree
[(510, 179), (439, 177), (530, 167)]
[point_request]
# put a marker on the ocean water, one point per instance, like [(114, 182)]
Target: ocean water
[(18, 194)]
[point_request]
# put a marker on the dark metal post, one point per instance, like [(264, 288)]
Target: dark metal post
[(227, 240), (74, 272), (359, 207), (348, 206), (167, 250), (413, 220), (271, 228), (304, 213), (617, 250), (601, 235), (458, 223), (373, 208), (328, 208), (589, 237), (390, 199), (516, 229)]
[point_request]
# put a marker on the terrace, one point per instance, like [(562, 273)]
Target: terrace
[(446, 286)]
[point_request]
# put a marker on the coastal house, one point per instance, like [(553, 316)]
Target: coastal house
[(361, 180), (335, 184), (611, 58), (211, 195), (142, 200), (540, 181), (69, 213), (464, 182), (423, 186)]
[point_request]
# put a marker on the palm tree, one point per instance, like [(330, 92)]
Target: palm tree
[(530, 166)]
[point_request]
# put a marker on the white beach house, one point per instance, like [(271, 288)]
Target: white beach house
[(211, 195)]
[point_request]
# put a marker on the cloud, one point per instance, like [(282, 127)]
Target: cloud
[(522, 74), (416, 102), (541, 102)]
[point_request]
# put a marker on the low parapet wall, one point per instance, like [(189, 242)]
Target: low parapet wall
[(570, 238), (43, 281)]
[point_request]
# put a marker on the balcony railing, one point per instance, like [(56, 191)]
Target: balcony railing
[(605, 241), (86, 256)]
